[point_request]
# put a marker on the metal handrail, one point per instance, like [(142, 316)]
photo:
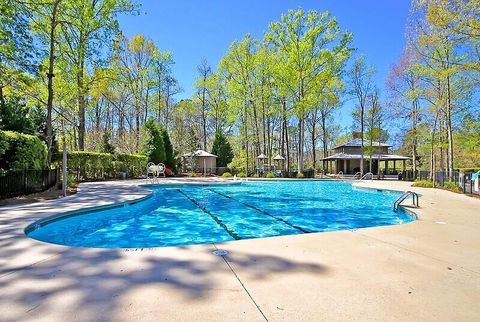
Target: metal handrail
[(340, 174), (357, 174), (403, 197), (367, 174)]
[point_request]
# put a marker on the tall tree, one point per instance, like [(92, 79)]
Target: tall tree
[(309, 45), (88, 27), (204, 72), (360, 87)]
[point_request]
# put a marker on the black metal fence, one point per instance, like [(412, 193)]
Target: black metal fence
[(462, 180), (21, 182)]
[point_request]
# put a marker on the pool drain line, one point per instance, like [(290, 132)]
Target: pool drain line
[(261, 211), (215, 218)]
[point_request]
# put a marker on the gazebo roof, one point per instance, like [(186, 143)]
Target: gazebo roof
[(278, 157), (262, 156), (375, 156), (358, 143), (199, 154)]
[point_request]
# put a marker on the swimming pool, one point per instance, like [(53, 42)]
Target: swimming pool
[(185, 214)]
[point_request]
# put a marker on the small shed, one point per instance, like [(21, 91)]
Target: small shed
[(200, 161)]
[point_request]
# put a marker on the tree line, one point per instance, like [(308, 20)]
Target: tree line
[(67, 70)]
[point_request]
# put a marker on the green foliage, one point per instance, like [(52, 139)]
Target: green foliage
[(222, 149), (169, 155), (241, 175), (22, 151), (107, 147), (99, 166), (226, 174), (133, 164), (452, 186), (468, 169), (270, 175), (153, 145), (300, 175), (91, 165), (422, 184)]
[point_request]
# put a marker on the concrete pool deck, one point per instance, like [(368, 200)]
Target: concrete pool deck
[(428, 269)]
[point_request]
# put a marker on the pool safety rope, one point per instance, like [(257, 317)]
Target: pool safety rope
[(262, 211), (233, 234)]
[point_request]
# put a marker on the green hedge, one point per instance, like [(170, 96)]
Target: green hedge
[(91, 166), (133, 164), (22, 151)]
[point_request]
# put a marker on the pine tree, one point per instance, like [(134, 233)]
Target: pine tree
[(222, 149), (153, 145), (169, 155)]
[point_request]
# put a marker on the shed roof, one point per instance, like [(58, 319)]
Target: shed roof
[(375, 156), (199, 153), (358, 143)]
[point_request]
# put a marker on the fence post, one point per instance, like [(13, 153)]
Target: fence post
[(24, 180)]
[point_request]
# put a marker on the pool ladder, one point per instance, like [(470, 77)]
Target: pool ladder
[(405, 196)]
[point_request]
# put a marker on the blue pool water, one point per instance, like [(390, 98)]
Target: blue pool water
[(186, 215)]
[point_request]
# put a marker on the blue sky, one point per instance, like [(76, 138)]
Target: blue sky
[(193, 30)]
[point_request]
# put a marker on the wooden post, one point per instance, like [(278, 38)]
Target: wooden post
[(64, 171), (433, 171)]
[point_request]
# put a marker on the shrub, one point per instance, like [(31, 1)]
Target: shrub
[(22, 151), (300, 175), (422, 184), (191, 174), (227, 175), (241, 175), (91, 165), (133, 164), (452, 186), (100, 166), (270, 175)]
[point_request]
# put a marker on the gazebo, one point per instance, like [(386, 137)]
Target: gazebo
[(346, 157), (279, 162), (200, 161), (261, 163)]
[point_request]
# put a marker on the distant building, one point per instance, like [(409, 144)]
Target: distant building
[(200, 161), (346, 158)]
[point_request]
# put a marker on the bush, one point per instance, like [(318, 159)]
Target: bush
[(422, 184), (191, 174), (270, 175), (91, 165), (300, 175), (22, 151), (133, 164), (241, 175), (227, 175), (452, 186), (99, 166)]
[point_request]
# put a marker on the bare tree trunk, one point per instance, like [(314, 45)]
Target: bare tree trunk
[(81, 91), (50, 75), (448, 120)]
